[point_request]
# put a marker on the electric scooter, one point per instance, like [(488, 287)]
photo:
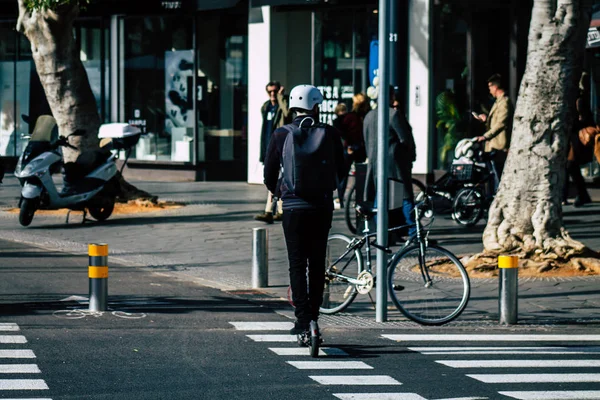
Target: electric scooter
[(90, 183)]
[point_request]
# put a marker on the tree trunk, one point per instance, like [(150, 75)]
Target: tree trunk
[(62, 74), (526, 215), (65, 80)]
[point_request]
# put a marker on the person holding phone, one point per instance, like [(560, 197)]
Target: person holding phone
[(498, 124)]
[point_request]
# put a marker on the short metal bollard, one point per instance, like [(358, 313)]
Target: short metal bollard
[(508, 289), (98, 276), (260, 258)]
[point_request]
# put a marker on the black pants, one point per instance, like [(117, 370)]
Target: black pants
[(306, 234)]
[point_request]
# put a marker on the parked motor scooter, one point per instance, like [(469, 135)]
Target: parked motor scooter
[(90, 183)]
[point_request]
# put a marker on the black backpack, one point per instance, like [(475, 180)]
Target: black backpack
[(308, 161)]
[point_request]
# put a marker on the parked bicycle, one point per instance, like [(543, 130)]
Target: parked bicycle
[(469, 185), (426, 282)]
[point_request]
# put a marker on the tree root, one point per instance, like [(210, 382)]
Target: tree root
[(128, 192), (585, 262)]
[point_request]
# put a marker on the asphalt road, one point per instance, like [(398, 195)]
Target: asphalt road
[(166, 338)]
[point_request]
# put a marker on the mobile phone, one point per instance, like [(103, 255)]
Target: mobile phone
[(475, 114)]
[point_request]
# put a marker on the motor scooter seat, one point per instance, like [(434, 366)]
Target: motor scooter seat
[(86, 162)]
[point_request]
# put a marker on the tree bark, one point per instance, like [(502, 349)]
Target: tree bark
[(65, 81), (61, 73), (526, 214)]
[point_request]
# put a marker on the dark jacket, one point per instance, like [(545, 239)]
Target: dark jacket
[(273, 167), (282, 117), (401, 149)]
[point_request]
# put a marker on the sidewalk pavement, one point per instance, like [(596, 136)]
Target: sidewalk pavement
[(210, 242)]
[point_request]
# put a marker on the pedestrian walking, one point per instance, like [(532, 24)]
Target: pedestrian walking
[(275, 113), (311, 159), (498, 126), (351, 131), (401, 155), (581, 145)]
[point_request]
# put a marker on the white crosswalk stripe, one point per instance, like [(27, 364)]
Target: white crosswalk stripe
[(16, 354), (536, 378), (9, 327), (355, 380), (329, 365), (23, 384), (19, 369), (521, 363), (301, 351), (12, 339), (505, 350), (273, 338), (262, 326), (555, 395), (494, 338)]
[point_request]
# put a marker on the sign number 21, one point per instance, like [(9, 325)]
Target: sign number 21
[(393, 37)]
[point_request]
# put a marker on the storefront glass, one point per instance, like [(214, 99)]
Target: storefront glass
[(451, 80), (93, 38), (222, 89), (157, 83), (346, 38), (15, 71)]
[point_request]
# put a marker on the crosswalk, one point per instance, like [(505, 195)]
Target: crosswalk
[(16, 365), (323, 370), (504, 366)]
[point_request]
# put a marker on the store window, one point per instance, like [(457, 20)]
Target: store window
[(93, 38), (451, 80), (15, 75), (157, 84), (222, 89), (343, 58)]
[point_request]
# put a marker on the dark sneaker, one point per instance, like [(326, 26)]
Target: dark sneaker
[(299, 328), (278, 217), (580, 201), (265, 217)]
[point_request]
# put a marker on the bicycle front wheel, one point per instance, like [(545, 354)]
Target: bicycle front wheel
[(340, 262), (431, 290)]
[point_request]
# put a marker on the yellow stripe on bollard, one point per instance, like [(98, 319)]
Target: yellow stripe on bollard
[(97, 249), (97, 272), (508, 262)]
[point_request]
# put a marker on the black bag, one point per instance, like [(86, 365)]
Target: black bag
[(308, 162)]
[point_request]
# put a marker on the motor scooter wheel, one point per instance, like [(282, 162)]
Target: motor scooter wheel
[(28, 207), (102, 208)]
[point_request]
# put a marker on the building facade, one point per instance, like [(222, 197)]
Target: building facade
[(192, 73)]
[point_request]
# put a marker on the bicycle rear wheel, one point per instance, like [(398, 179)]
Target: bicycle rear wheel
[(435, 303), (338, 292), (468, 207)]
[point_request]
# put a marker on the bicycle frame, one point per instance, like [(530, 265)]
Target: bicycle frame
[(358, 243)]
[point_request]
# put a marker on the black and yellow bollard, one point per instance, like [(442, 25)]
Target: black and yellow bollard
[(98, 274), (508, 289)]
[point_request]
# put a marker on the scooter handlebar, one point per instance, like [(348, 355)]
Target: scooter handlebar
[(63, 141)]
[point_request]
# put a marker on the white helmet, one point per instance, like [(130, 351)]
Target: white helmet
[(305, 97)]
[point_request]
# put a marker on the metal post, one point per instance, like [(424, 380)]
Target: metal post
[(383, 116), (98, 276), (260, 258), (508, 289)]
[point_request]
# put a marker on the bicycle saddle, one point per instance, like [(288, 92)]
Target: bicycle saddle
[(365, 211)]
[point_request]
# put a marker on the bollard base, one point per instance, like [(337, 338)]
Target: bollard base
[(98, 295)]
